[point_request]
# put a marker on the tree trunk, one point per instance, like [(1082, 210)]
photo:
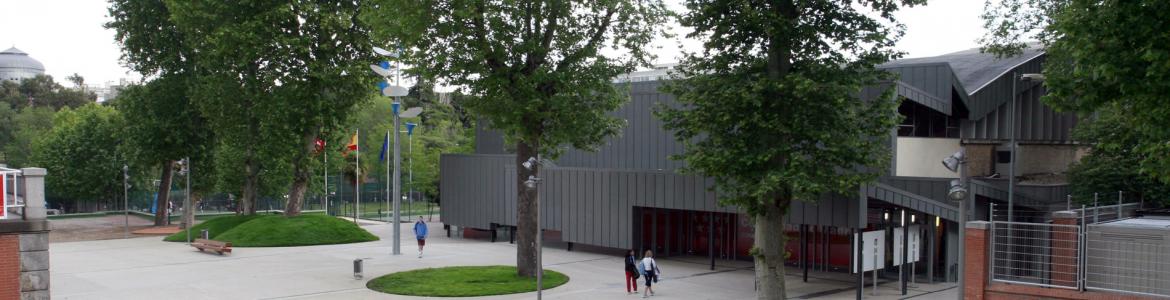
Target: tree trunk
[(527, 205), (251, 184), (769, 252), (296, 193), (164, 194)]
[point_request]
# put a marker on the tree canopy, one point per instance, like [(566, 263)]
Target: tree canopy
[(770, 106), (1101, 54), (82, 152), (535, 66)]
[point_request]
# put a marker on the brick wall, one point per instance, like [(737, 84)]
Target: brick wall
[(9, 266)]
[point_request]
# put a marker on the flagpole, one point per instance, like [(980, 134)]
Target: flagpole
[(357, 177), (384, 140), (325, 149)]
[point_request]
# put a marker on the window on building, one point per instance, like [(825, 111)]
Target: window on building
[(921, 121), (1003, 157)]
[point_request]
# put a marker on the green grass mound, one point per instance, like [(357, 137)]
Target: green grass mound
[(217, 226), (279, 231), (469, 281)]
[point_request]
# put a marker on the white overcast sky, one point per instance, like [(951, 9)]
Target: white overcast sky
[(67, 35)]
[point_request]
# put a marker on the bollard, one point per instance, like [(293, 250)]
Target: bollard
[(357, 269), (204, 234)]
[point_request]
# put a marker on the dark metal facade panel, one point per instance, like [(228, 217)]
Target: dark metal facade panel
[(1037, 122), (642, 144), (934, 79), (999, 90)]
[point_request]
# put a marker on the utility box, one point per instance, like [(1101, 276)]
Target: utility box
[(1129, 255)]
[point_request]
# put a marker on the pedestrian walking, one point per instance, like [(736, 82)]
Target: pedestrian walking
[(650, 269), (632, 273), (420, 233)]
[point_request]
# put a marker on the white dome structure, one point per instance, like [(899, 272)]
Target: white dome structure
[(15, 65)]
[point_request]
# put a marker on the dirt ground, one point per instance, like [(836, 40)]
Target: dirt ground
[(94, 228)]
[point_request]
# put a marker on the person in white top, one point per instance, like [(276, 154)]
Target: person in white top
[(650, 267)]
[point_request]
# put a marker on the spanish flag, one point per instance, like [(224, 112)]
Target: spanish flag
[(352, 146)]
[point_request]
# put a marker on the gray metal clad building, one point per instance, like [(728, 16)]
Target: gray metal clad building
[(628, 194)]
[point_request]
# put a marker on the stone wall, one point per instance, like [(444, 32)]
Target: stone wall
[(24, 243)]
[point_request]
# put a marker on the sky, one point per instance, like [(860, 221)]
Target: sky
[(67, 36)]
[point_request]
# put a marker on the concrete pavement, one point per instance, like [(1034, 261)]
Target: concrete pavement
[(148, 268)]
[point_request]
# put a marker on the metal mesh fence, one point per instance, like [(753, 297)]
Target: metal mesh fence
[(1035, 254)]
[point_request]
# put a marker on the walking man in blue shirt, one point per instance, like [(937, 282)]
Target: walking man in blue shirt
[(420, 233)]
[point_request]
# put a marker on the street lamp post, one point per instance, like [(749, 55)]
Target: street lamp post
[(186, 172), (957, 163), (1030, 77), (393, 90), (126, 197)]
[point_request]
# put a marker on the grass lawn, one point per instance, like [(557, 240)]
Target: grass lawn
[(279, 231), (464, 281), (216, 226)]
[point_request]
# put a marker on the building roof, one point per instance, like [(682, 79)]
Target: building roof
[(974, 69), (15, 59)]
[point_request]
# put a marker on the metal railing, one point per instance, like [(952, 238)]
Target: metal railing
[(1035, 254), (1106, 213), (10, 193)]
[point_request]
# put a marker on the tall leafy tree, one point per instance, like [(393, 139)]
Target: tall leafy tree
[(296, 68), (536, 66), (1100, 53), (81, 151), (163, 125), (769, 107)]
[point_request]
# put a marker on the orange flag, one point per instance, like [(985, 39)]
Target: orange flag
[(352, 146)]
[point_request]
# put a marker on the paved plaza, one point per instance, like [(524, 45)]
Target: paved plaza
[(148, 268)]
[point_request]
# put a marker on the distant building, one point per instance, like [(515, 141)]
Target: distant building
[(109, 90), (15, 65)]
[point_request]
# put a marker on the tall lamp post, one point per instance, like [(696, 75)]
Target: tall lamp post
[(186, 172), (126, 197), (1029, 77), (958, 192), (532, 183), (394, 90)]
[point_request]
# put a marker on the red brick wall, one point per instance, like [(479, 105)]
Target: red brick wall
[(975, 264), (1027, 292), (9, 266)]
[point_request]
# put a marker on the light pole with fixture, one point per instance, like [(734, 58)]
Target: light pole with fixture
[(394, 90), (532, 183), (185, 165), (957, 162), (1028, 77), (126, 197)]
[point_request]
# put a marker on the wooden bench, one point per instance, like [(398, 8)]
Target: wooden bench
[(213, 245)]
